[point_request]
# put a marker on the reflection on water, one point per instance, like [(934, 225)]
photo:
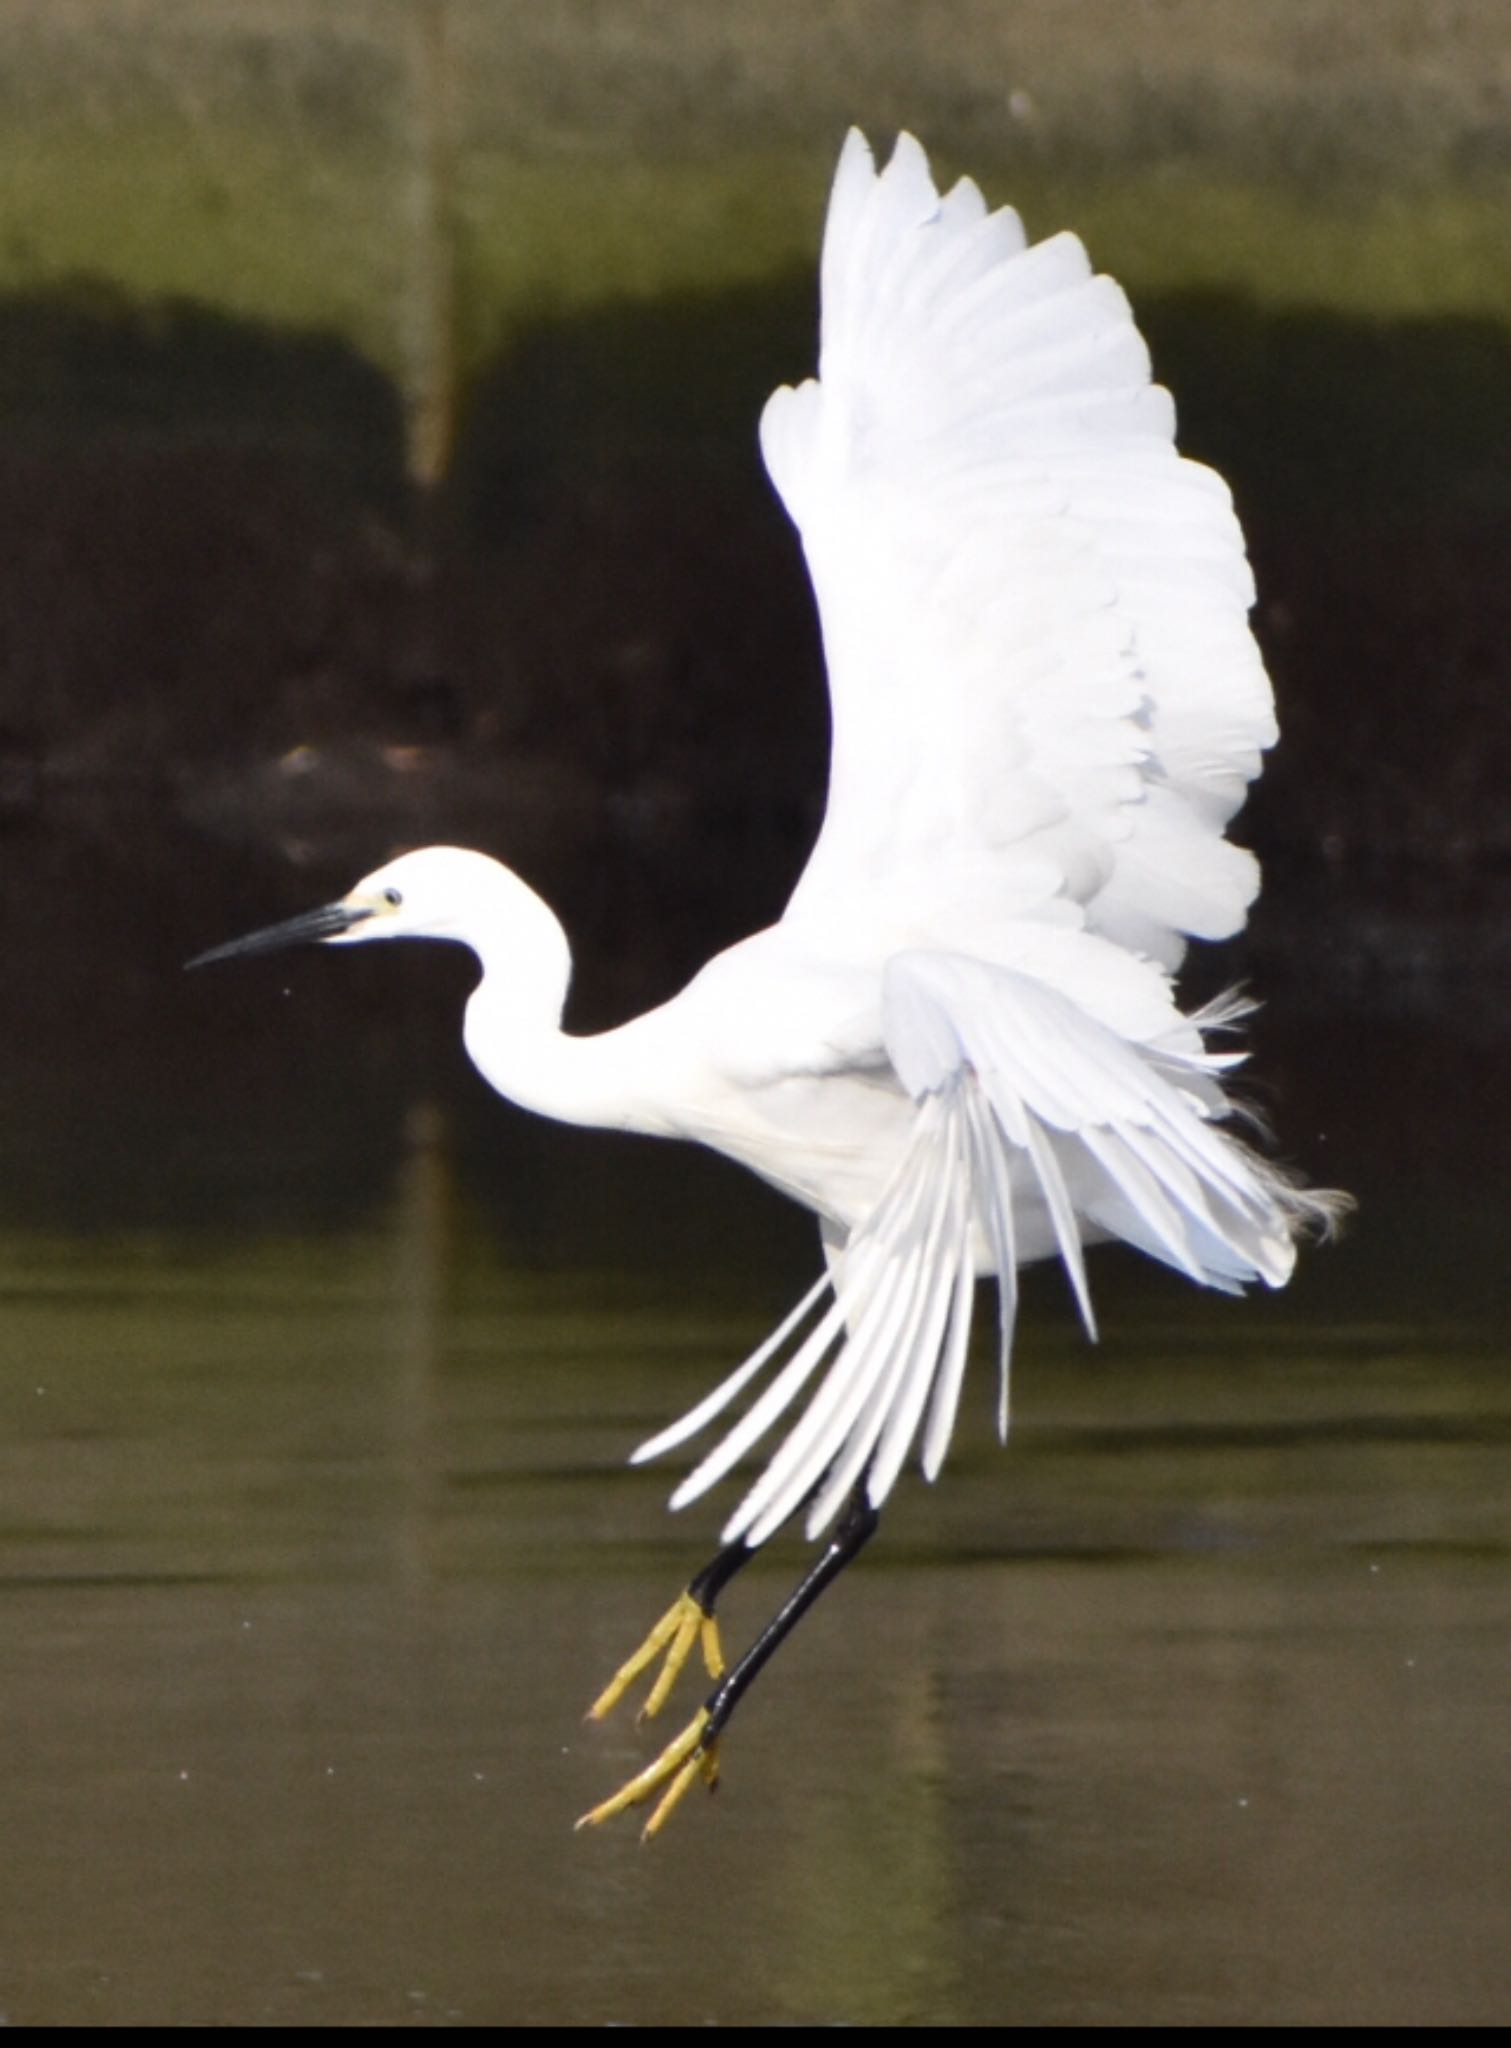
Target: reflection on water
[(317, 1539)]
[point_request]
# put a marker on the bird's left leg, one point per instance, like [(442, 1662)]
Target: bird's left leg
[(694, 1753), (690, 1619)]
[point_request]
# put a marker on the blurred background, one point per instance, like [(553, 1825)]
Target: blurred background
[(378, 388)]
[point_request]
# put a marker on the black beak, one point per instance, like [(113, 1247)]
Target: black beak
[(326, 923)]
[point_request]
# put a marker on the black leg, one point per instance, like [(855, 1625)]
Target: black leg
[(716, 1575)]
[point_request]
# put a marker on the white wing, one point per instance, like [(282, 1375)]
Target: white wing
[(1045, 693), (1047, 704)]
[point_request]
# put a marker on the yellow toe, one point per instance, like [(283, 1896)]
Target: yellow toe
[(663, 1633), (684, 1623), (670, 1775), (689, 1624), (702, 1763)]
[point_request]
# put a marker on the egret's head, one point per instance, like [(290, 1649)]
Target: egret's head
[(441, 892)]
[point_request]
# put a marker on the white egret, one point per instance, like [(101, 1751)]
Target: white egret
[(960, 1046)]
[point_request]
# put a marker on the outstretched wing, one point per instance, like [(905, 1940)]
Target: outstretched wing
[(1046, 697), (1047, 704)]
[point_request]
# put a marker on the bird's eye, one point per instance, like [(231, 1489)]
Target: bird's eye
[(393, 897)]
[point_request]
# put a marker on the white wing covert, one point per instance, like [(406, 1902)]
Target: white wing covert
[(1045, 693)]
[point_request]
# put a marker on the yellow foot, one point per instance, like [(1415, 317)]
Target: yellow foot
[(674, 1770), (683, 1624)]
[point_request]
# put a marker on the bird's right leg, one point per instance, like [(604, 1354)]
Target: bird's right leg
[(690, 1619)]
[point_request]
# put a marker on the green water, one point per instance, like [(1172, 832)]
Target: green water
[(320, 1369)]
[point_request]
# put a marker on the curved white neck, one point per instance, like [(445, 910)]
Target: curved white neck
[(513, 1028)]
